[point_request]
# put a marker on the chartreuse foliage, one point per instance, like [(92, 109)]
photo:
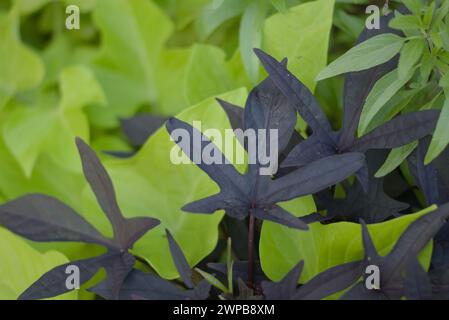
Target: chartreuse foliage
[(423, 47), (326, 246), (140, 191), (22, 265), (139, 67)]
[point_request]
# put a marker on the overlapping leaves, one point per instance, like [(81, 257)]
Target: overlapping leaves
[(254, 193), (324, 141), (42, 218)]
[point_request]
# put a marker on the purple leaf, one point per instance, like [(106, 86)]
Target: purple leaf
[(330, 281), (314, 177), (101, 185), (53, 283), (284, 289), (308, 151), (139, 128), (399, 131), (297, 94), (180, 260), (43, 218)]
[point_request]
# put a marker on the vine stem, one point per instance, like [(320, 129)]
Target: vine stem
[(252, 221)]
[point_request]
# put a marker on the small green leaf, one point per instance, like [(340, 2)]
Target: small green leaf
[(80, 88), (427, 64), (250, 36), (428, 15), (367, 54), (444, 34), (25, 132), (205, 75), (20, 68), (212, 280), (395, 158), (212, 17), (441, 13), (280, 5), (410, 55), (440, 138), (414, 5), (444, 81), (405, 22), (382, 92)]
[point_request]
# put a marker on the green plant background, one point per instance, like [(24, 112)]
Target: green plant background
[(163, 57)]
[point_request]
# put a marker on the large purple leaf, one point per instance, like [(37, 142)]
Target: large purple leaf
[(286, 287), (101, 185), (180, 260), (297, 94), (118, 266), (53, 283), (308, 151), (330, 281), (43, 218), (399, 131), (314, 177), (223, 173)]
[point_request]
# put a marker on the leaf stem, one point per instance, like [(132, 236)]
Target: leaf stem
[(252, 221)]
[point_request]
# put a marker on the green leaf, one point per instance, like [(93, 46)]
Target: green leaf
[(80, 88), (217, 3), (301, 35), (395, 158), (428, 15), (405, 22), (280, 5), (212, 280), (21, 266), (250, 36), (384, 89), (350, 24), (212, 16), (444, 81), (133, 35), (325, 246), (30, 131), (26, 7), (206, 74), (414, 5), (25, 132), (410, 55), (149, 184), (440, 138), (441, 13), (427, 64), (20, 68), (368, 54)]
